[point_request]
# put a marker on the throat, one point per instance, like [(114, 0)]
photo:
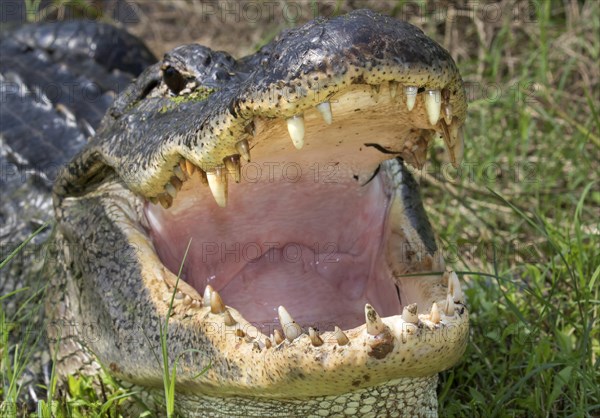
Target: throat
[(317, 248)]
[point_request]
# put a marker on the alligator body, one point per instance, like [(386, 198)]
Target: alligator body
[(276, 188)]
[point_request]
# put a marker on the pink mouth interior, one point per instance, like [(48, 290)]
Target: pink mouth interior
[(318, 249)]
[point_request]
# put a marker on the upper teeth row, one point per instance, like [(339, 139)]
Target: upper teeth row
[(436, 105)]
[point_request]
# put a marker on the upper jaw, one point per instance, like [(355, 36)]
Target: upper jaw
[(282, 82)]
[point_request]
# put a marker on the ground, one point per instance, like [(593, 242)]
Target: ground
[(520, 218)]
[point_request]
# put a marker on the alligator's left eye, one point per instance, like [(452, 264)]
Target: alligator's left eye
[(174, 80)]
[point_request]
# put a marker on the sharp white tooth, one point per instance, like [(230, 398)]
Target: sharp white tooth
[(217, 182), (295, 126), (375, 325), (340, 336), (448, 113), (449, 311), (228, 318), (457, 293), (169, 188), (393, 89), (207, 292), (325, 110), (314, 337), (433, 105), (410, 314), (457, 149), (411, 97), (434, 316), (290, 328), (277, 337), (216, 303), (243, 148)]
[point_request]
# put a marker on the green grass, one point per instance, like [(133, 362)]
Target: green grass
[(520, 220)]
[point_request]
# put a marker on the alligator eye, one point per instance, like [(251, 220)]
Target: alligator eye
[(174, 79)]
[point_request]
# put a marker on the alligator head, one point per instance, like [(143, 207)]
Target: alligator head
[(275, 187)]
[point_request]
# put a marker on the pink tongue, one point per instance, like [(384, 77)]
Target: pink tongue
[(318, 290), (316, 249)]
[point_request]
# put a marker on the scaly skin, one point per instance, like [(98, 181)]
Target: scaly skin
[(191, 120)]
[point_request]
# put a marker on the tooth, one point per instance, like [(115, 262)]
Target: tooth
[(393, 89), (232, 164), (458, 148), (176, 183), (434, 316), (325, 110), (228, 319), (179, 173), (240, 333), (341, 338), (290, 328), (202, 175), (187, 167), (277, 337), (433, 105), (314, 337), (169, 188), (448, 113), (295, 126), (409, 314), (217, 182), (268, 343), (243, 148), (455, 289), (250, 129), (207, 292), (165, 200), (216, 303), (375, 325), (449, 311), (411, 97)]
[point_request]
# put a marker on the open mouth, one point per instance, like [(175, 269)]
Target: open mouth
[(323, 230), (279, 185)]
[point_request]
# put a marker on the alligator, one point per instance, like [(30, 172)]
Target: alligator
[(265, 207)]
